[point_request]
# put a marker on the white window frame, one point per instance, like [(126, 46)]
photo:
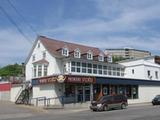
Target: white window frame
[(89, 55), (101, 57), (77, 53), (65, 51)]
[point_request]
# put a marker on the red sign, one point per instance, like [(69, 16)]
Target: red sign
[(80, 79)]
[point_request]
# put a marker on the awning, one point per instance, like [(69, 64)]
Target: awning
[(124, 81)]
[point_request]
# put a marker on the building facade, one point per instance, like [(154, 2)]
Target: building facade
[(62, 72), (128, 53)]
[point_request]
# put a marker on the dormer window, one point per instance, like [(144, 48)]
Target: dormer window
[(89, 55), (65, 52), (101, 57), (77, 53)]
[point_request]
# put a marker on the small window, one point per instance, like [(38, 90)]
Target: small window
[(44, 55), (132, 71), (33, 58), (156, 74), (101, 58), (89, 55), (149, 73), (77, 53), (45, 70), (39, 70), (65, 52), (38, 45)]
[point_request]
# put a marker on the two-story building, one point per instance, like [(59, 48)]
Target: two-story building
[(77, 72)]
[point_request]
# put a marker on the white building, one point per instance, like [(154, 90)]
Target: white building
[(62, 72), (147, 69)]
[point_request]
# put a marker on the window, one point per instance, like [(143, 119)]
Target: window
[(148, 73), (39, 70), (38, 45), (101, 58), (156, 74), (105, 70), (89, 55), (89, 68), (44, 55), (65, 52), (109, 70), (132, 71), (77, 53), (118, 71), (73, 69), (45, 70), (99, 69), (114, 71), (83, 67), (109, 59), (78, 67), (94, 68), (34, 70), (33, 58)]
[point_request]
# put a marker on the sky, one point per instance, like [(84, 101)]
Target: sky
[(99, 23)]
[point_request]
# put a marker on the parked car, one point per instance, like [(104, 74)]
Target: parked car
[(109, 102), (156, 100)]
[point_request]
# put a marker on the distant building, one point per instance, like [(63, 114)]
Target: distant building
[(128, 53)]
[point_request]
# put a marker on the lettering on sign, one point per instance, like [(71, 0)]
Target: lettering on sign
[(47, 80), (77, 79)]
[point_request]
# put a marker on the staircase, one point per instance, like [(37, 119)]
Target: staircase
[(23, 95)]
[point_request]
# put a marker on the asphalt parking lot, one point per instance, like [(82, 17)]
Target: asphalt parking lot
[(10, 111)]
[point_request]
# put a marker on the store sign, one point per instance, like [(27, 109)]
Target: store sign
[(47, 80), (79, 79)]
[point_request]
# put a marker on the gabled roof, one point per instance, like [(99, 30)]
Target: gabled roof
[(53, 46)]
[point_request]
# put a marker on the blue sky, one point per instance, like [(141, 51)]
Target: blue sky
[(99, 23)]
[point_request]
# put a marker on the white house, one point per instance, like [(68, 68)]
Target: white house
[(63, 72)]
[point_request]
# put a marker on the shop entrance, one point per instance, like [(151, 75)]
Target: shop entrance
[(77, 93)]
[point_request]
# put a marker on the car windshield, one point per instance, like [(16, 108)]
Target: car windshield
[(103, 97), (158, 96)]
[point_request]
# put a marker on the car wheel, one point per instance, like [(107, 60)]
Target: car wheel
[(105, 108), (123, 106)]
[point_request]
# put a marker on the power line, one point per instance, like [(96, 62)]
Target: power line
[(21, 16), (14, 23)]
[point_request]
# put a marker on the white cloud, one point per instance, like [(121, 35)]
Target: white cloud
[(13, 47)]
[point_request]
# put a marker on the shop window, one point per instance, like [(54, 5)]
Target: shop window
[(89, 68), (39, 70), (83, 67), (99, 69), (134, 92), (94, 68)]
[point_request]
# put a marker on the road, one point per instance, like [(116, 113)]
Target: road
[(9, 111)]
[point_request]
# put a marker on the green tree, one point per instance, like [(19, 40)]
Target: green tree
[(11, 70), (116, 58)]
